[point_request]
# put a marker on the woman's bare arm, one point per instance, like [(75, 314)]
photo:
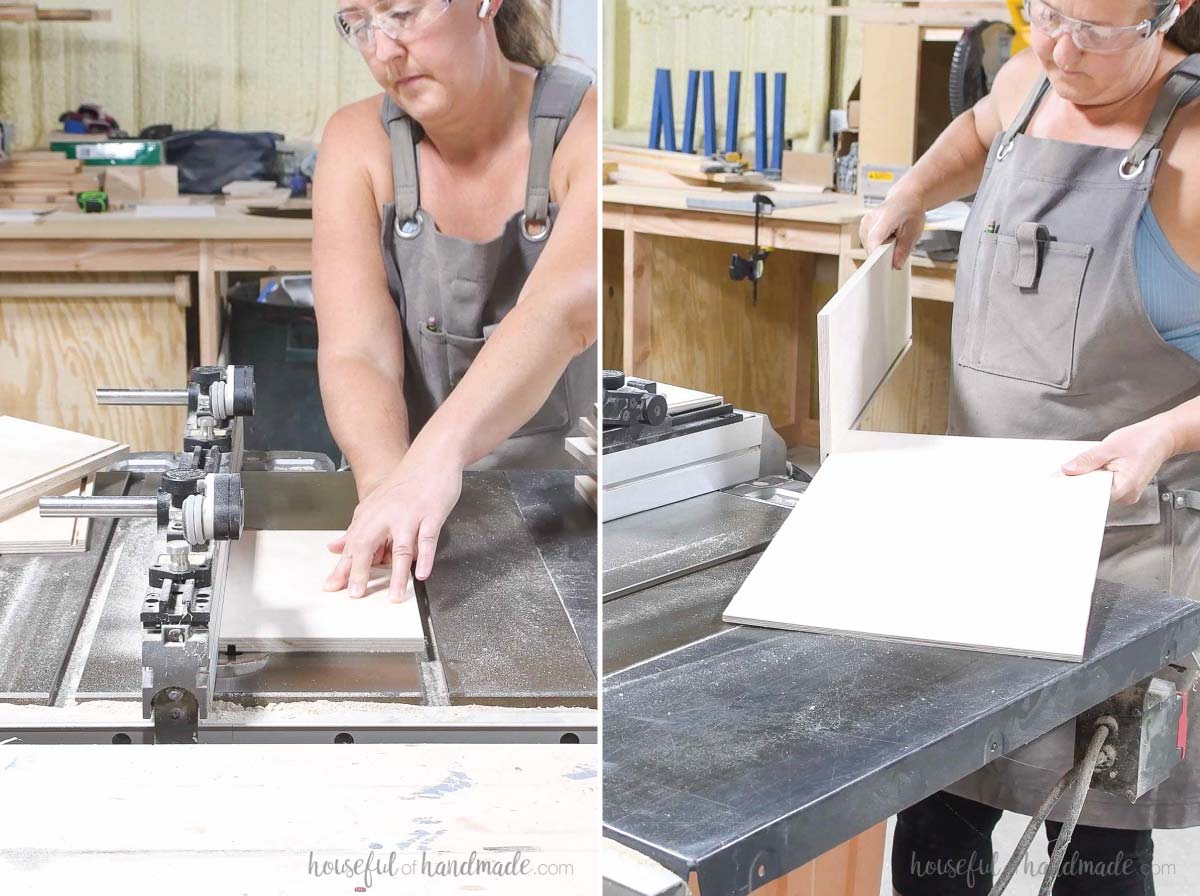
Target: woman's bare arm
[(953, 166), (554, 320), (361, 356)]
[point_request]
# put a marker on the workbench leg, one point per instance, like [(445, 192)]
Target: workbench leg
[(853, 869), (891, 76), (636, 323), (210, 310)]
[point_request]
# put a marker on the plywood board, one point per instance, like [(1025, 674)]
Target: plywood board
[(680, 399), (32, 533), (57, 350), (979, 543), (707, 334), (583, 450), (862, 332), (384, 807), (274, 600), (36, 459)]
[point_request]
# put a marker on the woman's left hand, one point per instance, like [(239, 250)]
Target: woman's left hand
[(1133, 454), (403, 517)]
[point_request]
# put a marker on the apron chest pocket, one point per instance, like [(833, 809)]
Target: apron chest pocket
[(1024, 306), (446, 359)]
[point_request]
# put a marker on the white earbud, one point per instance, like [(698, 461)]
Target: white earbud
[(1171, 20), (484, 8)]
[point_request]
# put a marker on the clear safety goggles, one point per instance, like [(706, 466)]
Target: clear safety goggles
[(1094, 38), (399, 19)]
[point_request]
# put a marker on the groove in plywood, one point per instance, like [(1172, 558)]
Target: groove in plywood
[(862, 333), (31, 533), (35, 460)]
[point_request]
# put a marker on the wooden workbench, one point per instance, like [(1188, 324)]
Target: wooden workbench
[(88, 301), (671, 311)]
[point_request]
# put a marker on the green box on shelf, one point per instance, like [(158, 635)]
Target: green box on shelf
[(113, 152)]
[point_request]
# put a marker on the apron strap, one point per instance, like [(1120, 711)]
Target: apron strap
[(1182, 86), (557, 94), (1023, 118), (404, 161)]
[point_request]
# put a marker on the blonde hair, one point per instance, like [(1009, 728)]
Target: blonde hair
[(526, 32)]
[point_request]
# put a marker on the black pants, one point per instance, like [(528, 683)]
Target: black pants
[(943, 847)]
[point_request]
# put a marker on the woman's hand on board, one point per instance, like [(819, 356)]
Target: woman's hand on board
[(901, 217), (400, 518), (1133, 454)]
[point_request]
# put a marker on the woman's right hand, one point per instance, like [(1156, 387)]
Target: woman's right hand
[(902, 218)]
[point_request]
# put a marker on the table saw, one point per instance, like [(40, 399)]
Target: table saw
[(121, 643), (734, 754)]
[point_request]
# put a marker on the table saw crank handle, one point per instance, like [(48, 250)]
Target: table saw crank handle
[(216, 511)]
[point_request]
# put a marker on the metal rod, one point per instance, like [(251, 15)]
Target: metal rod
[(99, 507), (152, 397)]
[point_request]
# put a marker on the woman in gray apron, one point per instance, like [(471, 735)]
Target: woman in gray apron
[(466, 337), (1076, 316)]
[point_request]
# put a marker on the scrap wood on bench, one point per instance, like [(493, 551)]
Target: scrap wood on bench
[(655, 167), (42, 179)]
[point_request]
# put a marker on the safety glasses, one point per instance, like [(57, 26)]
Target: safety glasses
[(399, 19), (1094, 38)]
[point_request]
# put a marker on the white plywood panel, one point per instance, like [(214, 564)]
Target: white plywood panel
[(274, 600), (35, 460), (978, 543), (385, 807), (862, 333), (680, 399)]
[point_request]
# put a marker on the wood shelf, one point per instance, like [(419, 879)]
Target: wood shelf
[(29, 12)]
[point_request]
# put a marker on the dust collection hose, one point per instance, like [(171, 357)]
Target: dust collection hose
[(1079, 778)]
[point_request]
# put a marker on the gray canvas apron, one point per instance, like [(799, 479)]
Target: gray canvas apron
[(1051, 340), (453, 293)]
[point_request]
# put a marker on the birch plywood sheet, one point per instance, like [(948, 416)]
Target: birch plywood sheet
[(978, 543), (36, 459), (274, 600), (31, 533), (862, 332)]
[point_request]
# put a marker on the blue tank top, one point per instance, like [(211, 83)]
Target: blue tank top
[(1170, 289)]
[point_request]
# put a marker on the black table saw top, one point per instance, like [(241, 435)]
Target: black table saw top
[(729, 749), (512, 605)]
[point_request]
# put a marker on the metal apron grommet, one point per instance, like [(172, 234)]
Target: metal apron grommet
[(538, 237), (1186, 498), (410, 228), (1126, 173)]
